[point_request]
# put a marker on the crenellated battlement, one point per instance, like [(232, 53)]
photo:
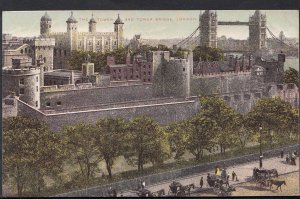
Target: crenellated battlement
[(57, 33), (97, 33), (228, 73), (44, 42), (21, 71)]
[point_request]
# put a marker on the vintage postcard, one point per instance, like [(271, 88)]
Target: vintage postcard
[(141, 103)]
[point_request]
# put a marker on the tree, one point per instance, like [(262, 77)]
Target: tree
[(146, 142), (31, 152), (216, 109), (202, 131), (178, 137), (291, 76), (110, 138), (81, 148), (207, 53), (272, 114)]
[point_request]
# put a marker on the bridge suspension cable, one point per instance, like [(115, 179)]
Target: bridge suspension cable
[(274, 37), (187, 39)]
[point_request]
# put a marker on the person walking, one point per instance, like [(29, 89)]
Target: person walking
[(201, 182), (287, 158), (233, 175)]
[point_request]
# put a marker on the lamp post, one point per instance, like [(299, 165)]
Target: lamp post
[(260, 153)]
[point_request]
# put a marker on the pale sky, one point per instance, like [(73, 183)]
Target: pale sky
[(150, 24)]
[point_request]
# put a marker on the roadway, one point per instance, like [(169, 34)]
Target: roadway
[(243, 171)]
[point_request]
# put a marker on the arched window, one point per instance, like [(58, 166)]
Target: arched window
[(25, 50), (44, 59), (22, 51)]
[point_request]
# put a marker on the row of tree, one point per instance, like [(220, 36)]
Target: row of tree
[(32, 151)]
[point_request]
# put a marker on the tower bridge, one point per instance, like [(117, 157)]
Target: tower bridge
[(206, 33)]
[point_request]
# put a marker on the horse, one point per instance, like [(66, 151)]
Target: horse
[(278, 183)]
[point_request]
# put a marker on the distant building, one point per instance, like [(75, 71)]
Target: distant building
[(86, 41)]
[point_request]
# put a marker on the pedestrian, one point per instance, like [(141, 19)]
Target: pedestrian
[(287, 158), (143, 184), (228, 178), (201, 182), (281, 153), (293, 159), (233, 175), (216, 170)]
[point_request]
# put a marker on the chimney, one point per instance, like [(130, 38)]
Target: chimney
[(110, 60)]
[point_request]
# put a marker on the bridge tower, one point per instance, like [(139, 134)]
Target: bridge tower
[(257, 31), (208, 28)]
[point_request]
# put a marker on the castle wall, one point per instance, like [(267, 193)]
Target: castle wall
[(93, 96), (163, 113)]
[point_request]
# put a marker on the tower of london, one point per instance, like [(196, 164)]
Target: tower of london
[(66, 42)]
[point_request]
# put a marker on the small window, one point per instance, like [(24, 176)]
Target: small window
[(149, 80), (119, 70), (144, 80), (144, 73), (65, 52), (183, 69), (44, 48), (137, 76), (58, 103), (25, 50), (115, 43), (114, 70), (22, 91), (106, 43), (48, 104), (37, 89), (149, 73), (36, 103), (37, 78), (22, 81), (22, 51), (44, 59)]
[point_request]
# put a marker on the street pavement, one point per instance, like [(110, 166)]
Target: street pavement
[(243, 171)]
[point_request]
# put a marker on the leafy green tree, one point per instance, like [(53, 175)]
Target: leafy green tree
[(202, 131), (145, 142), (272, 114), (30, 152), (110, 138), (291, 76), (81, 148), (178, 137), (225, 117), (207, 53), (162, 47)]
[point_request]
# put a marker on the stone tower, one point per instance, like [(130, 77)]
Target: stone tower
[(23, 81), (257, 31), (45, 24), (92, 25), (208, 28), (72, 31), (119, 30), (43, 49)]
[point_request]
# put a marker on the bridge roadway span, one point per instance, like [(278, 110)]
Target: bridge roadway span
[(243, 171)]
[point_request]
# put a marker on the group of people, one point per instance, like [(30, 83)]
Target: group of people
[(290, 158)]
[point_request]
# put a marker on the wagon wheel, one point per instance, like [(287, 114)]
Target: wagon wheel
[(180, 193)]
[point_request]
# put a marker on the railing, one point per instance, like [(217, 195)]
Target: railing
[(101, 191)]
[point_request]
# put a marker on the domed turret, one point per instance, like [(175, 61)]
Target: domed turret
[(92, 24), (119, 31), (72, 19), (71, 23), (45, 24), (46, 17), (118, 20)]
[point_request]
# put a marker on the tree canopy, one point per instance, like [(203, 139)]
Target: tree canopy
[(291, 76), (207, 53)]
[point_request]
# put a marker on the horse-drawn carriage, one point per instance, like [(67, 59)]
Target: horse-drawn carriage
[(146, 193), (177, 189), (262, 176), (217, 184)]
